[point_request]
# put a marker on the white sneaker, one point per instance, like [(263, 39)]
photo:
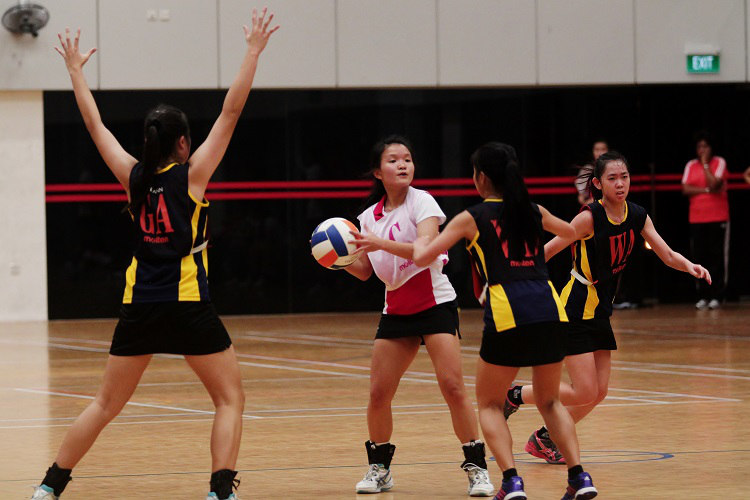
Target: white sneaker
[(714, 304), (701, 304), (43, 493), (479, 481), (212, 496), (377, 479)]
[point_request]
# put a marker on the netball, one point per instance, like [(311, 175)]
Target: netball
[(332, 243)]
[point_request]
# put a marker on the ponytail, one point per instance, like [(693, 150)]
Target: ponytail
[(520, 225), (163, 127)]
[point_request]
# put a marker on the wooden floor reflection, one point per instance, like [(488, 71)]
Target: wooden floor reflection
[(673, 426)]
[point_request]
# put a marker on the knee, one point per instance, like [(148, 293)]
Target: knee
[(108, 407), (233, 397), (545, 405), (586, 394), (453, 391), (603, 391), (380, 396)]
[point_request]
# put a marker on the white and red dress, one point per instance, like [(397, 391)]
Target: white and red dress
[(417, 299)]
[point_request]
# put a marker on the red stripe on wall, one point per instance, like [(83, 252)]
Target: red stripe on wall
[(339, 189)]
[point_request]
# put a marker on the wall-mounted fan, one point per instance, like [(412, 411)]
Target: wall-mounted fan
[(25, 18)]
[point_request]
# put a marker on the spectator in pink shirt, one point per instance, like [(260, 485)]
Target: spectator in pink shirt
[(705, 183)]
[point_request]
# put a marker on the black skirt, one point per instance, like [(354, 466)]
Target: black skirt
[(526, 345), (442, 318), (190, 328), (589, 335)]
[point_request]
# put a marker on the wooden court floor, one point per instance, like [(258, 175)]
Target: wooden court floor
[(675, 425)]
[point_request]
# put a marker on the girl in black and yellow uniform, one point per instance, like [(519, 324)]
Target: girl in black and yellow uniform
[(166, 308), (524, 319), (606, 232)]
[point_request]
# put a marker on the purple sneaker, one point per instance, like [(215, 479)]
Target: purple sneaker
[(510, 489), (580, 488)]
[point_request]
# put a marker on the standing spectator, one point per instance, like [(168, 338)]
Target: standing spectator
[(705, 182), (585, 197)]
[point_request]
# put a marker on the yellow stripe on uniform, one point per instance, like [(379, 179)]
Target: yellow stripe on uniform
[(558, 302), (480, 253), (502, 314), (592, 300), (189, 290), (204, 252), (585, 266), (567, 289), (127, 297)]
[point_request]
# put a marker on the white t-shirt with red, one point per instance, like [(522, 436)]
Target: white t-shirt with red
[(409, 289), (707, 207)]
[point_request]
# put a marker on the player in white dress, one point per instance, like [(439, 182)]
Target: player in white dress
[(420, 307)]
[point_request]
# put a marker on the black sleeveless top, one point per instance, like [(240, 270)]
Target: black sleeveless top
[(170, 261), (518, 290), (598, 260)]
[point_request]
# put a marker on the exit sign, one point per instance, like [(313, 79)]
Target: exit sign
[(702, 63)]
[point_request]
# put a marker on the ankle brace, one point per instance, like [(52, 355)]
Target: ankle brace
[(57, 478), (380, 453), (222, 482), (474, 454)]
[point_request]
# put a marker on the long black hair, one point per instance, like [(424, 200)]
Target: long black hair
[(520, 226), (586, 177), (163, 126), (376, 154)]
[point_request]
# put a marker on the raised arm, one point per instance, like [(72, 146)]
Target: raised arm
[(669, 256), (119, 161), (583, 225), (206, 158), (427, 249)]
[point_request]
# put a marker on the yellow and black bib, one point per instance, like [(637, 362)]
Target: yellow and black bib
[(518, 288), (170, 262), (598, 260)]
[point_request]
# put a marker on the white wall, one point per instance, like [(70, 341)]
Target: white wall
[(385, 43), (23, 251)]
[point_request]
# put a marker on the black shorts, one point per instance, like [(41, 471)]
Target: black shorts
[(589, 335), (526, 345), (442, 318), (191, 328)]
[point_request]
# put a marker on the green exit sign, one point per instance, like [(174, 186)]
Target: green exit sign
[(702, 63)]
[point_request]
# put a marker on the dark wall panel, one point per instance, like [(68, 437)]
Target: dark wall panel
[(259, 258)]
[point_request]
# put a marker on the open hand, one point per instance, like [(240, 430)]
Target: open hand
[(366, 243), (700, 272), (74, 60), (258, 36)]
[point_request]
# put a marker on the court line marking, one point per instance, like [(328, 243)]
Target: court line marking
[(337, 341), (326, 415), (686, 367), (410, 379), (679, 335), (131, 403), (357, 466)]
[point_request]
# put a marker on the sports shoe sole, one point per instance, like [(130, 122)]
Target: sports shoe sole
[(385, 487), (586, 493), (484, 493), (517, 495)]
